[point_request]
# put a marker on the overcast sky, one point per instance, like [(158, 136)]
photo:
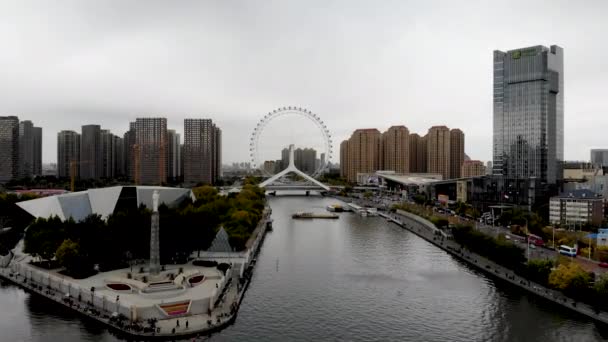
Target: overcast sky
[(357, 64)]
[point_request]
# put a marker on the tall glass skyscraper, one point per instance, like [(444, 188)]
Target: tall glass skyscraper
[(529, 113)]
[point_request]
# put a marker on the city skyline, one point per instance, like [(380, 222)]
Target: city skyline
[(377, 70)]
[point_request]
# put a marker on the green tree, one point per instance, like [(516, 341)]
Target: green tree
[(440, 222), (43, 237), (68, 255), (538, 270), (205, 193), (601, 290), (419, 199)]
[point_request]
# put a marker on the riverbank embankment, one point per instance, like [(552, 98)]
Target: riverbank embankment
[(427, 230)]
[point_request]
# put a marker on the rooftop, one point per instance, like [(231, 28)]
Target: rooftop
[(579, 194), (103, 201)]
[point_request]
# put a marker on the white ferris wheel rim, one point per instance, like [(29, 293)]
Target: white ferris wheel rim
[(289, 110)]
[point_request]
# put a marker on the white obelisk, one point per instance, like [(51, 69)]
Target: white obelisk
[(154, 241)]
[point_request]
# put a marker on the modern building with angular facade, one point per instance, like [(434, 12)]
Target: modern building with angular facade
[(103, 201)]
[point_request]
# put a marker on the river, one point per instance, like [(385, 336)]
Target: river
[(354, 279)]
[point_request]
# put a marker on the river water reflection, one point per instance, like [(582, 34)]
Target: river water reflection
[(348, 279)]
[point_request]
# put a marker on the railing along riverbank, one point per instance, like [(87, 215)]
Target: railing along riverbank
[(426, 230)]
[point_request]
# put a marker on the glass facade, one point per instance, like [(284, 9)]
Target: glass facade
[(599, 157), (529, 113)]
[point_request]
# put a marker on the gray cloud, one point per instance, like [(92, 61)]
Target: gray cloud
[(355, 63)]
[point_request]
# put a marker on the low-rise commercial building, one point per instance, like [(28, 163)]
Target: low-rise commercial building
[(576, 208)]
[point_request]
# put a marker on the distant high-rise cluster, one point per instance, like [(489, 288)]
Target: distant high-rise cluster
[(440, 151), (305, 160), (20, 149), (148, 153), (101, 154)]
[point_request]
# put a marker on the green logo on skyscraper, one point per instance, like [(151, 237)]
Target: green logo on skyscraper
[(516, 54)]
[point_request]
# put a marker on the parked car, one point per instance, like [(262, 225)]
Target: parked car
[(603, 264)]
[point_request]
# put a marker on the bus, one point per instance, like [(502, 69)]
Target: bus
[(535, 240), (567, 250)]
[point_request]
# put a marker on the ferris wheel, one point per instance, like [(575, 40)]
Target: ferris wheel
[(258, 131)]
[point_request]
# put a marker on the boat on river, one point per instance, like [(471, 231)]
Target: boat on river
[(335, 208), (308, 215)]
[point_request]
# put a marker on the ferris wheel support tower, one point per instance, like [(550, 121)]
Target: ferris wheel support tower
[(291, 168)]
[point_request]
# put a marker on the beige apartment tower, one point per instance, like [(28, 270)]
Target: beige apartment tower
[(364, 148), (438, 151), (396, 149), (456, 153), (418, 153), (344, 159)]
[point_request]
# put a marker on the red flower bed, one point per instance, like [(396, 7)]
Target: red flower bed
[(196, 279), (119, 287)]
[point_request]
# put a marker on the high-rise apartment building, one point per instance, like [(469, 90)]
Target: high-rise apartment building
[(457, 155), (9, 148), (119, 157), (418, 153), (364, 149), (217, 153), (322, 161), (305, 160), (30, 149), (26, 149), (108, 151), (202, 151), (529, 113), (37, 159), (91, 152), (396, 149), (472, 168), (285, 158), (151, 150), (129, 151), (599, 157), (344, 159), (174, 155), (438, 151), (68, 152)]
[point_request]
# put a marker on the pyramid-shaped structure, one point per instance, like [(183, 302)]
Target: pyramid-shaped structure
[(221, 243)]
